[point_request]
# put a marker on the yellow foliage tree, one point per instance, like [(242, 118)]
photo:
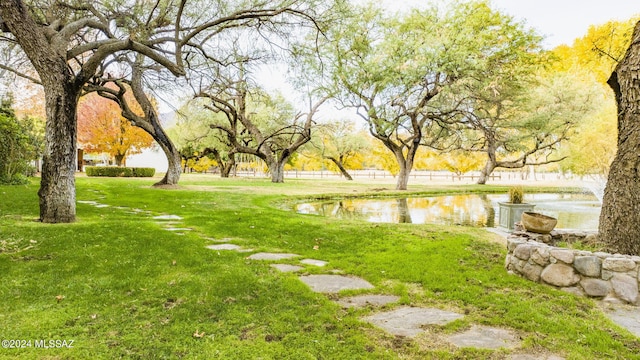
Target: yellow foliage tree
[(459, 162), (599, 50), (594, 57)]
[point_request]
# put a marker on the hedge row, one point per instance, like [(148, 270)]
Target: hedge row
[(112, 171)]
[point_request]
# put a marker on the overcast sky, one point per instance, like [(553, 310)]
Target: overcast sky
[(560, 21)]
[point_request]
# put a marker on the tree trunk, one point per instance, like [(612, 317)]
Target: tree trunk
[(276, 168), (340, 166), (174, 168), (225, 167), (57, 185), (404, 215), (405, 164), (486, 171), (403, 177), (225, 170), (620, 218), (120, 159)]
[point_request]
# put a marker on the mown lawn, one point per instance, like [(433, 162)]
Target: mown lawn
[(120, 286)]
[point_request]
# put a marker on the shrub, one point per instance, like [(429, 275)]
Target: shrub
[(143, 172), (112, 171), (516, 195)]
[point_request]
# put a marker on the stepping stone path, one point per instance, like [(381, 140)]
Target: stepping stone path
[(626, 316), (177, 229), (408, 321), (225, 247), (286, 267), (330, 284), (167, 217), (403, 321), (170, 223), (483, 337), (314, 262), (364, 300), (271, 256)]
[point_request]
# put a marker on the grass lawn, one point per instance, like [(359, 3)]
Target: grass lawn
[(121, 286)]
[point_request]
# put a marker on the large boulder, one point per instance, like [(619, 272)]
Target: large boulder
[(559, 275)]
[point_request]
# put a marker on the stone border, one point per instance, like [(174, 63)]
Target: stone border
[(612, 277)]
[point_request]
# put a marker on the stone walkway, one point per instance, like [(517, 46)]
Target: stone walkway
[(406, 321), (626, 316)]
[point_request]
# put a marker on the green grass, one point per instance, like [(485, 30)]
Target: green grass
[(121, 286)]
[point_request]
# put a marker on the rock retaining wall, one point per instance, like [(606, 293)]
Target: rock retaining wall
[(612, 277)]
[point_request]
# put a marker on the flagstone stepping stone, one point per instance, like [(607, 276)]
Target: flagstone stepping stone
[(330, 284), (177, 229), (314, 262), (485, 337), (225, 247), (88, 202), (164, 217), (99, 206), (286, 267), (271, 256), (627, 317), (408, 321), (224, 240), (364, 300)]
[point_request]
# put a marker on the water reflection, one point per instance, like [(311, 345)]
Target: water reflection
[(573, 211)]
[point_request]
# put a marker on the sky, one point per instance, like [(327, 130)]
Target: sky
[(560, 21)]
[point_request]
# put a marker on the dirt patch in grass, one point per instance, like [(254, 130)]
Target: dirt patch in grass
[(13, 246)]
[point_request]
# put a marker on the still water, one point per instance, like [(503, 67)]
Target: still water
[(573, 211)]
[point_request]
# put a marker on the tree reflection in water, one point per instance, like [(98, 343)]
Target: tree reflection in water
[(404, 215), (574, 211)]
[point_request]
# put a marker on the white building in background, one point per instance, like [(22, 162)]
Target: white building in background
[(152, 157)]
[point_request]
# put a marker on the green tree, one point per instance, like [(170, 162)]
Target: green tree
[(592, 58), (71, 44), (262, 125), (457, 161), (196, 139), (400, 74), (18, 145), (339, 143), (526, 125), (593, 146), (598, 51)]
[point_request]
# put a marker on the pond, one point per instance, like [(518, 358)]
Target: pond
[(573, 211)]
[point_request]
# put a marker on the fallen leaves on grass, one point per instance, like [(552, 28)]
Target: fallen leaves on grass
[(198, 334)]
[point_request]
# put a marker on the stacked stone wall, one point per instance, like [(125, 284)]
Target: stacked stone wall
[(612, 277)]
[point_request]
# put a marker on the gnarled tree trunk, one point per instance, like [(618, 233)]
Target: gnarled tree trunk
[(405, 164), (57, 185), (174, 170), (488, 168), (48, 56), (276, 169), (620, 218), (341, 167)]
